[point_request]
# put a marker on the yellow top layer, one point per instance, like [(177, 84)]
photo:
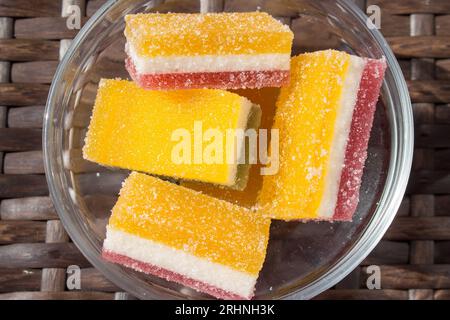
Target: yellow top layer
[(306, 115), (176, 34), (133, 128), (190, 221), (266, 99)]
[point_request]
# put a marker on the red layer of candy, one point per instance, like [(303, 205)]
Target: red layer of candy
[(211, 80), (169, 276), (356, 151)]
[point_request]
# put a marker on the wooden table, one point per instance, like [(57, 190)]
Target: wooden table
[(35, 251)]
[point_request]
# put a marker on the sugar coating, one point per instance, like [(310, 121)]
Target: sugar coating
[(182, 34), (132, 128), (356, 151), (187, 220), (306, 114)]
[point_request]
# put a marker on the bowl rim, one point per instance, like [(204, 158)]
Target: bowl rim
[(400, 162)]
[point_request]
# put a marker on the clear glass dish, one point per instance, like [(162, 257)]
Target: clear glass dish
[(303, 259)]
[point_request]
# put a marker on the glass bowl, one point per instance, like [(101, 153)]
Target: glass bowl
[(303, 259)]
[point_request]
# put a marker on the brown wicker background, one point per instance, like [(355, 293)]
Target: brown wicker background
[(35, 251)]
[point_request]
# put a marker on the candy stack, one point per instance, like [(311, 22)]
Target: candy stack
[(208, 228)]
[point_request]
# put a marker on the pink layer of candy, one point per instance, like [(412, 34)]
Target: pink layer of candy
[(356, 152), (211, 80), (170, 276)]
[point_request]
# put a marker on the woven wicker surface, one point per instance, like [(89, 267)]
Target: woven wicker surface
[(414, 256)]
